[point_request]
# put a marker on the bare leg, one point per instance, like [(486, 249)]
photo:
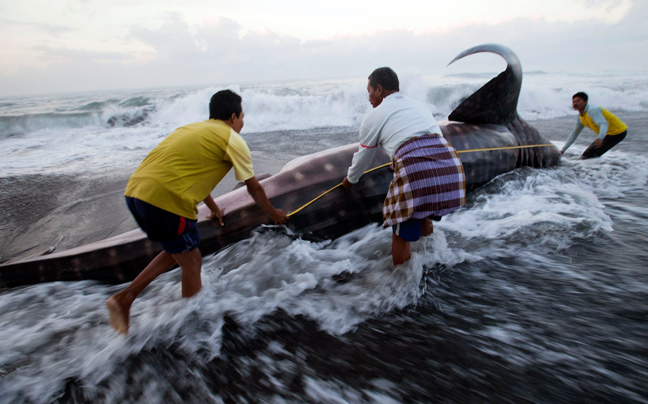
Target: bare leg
[(190, 263), (401, 251), (427, 228), (120, 303)]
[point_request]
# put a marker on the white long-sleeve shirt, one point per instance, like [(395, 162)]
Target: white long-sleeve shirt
[(392, 123)]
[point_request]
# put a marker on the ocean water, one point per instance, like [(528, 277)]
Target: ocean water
[(536, 291)]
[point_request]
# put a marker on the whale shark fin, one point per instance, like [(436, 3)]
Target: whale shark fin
[(495, 102)]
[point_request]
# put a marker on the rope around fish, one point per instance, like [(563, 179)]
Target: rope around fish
[(387, 164)]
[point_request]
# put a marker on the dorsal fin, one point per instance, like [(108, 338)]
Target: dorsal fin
[(495, 102)]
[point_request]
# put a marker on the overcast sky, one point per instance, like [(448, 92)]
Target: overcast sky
[(78, 45)]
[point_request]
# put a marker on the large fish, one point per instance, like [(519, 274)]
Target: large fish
[(487, 119)]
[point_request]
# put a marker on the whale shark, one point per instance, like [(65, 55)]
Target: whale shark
[(485, 129)]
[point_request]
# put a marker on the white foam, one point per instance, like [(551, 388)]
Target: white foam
[(52, 332), (68, 336), (98, 131)]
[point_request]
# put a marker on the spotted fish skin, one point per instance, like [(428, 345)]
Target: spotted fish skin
[(486, 119)]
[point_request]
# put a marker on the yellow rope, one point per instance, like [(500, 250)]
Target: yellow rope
[(505, 148), (387, 164)]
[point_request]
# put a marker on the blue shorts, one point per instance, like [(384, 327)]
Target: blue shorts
[(176, 233), (410, 230)]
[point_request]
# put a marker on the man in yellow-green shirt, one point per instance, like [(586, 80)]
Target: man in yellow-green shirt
[(610, 129), (165, 190)]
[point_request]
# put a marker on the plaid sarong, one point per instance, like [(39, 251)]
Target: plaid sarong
[(428, 181)]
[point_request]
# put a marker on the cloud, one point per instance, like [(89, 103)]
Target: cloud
[(175, 40), (77, 55), (53, 30), (221, 51)]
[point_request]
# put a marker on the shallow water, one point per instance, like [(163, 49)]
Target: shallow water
[(535, 291)]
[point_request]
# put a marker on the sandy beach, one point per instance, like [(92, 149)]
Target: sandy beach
[(44, 212)]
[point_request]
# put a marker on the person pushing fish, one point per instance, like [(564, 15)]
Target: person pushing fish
[(610, 129), (429, 180), (166, 188)]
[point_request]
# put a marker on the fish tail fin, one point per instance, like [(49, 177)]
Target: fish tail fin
[(496, 101)]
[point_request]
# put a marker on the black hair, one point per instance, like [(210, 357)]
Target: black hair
[(223, 104), (386, 77), (581, 95)]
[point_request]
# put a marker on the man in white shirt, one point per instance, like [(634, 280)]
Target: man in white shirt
[(429, 180)]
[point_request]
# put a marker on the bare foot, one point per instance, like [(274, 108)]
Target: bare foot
[(118, 315)]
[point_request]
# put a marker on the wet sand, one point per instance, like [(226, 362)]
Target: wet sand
[(40, 212)]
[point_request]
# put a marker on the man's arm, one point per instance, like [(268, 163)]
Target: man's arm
[(369, 141), (216, 212), (255, 190), (578, 128), (361, 160)]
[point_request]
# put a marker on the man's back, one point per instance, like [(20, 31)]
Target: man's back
[(186, 166), (396, 120)]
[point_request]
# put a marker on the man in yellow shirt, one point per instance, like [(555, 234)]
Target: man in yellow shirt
[(610, 129), (164, 192)]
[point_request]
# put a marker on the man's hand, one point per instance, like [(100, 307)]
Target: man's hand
[(346, 184), (257, 193), (217, 214), (279, 216), (598, 143)]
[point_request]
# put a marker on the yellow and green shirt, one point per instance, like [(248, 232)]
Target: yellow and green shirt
[(186, 166)]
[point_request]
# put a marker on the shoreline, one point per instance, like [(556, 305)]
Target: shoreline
[(44, 211), (41, 213)]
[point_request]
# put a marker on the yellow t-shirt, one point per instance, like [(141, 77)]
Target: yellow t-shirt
[(186, 166)]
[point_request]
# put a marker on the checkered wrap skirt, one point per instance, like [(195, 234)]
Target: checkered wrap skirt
[(428, 181)]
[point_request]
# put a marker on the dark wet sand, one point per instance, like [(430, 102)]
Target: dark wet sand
[(39, 212)]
